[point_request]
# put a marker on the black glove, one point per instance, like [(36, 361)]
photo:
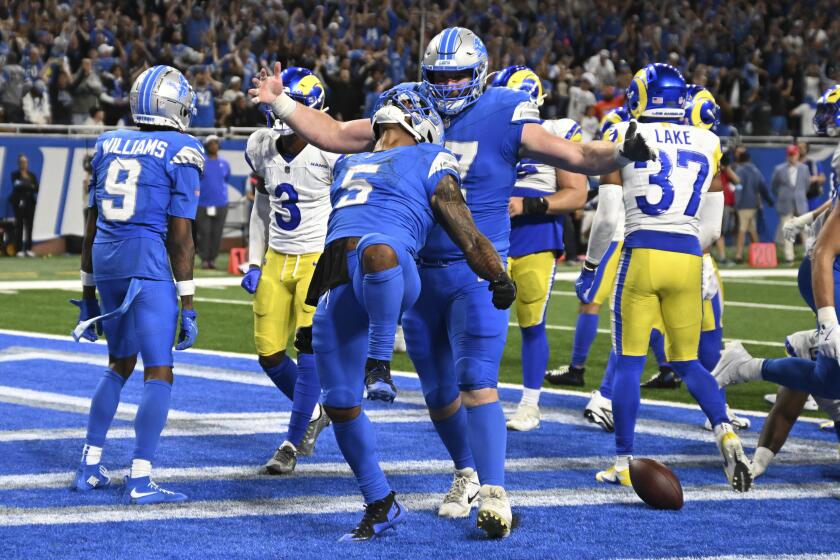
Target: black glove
[(504, 291), (534, 206), (634, 147)]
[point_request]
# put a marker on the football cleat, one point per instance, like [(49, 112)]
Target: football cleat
[(462, 495), (566, 375), (802, 344), (770, 398), (730, 368), (142, 491), (310, 436), (525, 419), (399, 341), (91, 477), (378, 382), (811, 405), (599, 411), (614, 475), (284, 459), (738, 422), (735, 463), (379, 516), (664, 379), (494, 515)]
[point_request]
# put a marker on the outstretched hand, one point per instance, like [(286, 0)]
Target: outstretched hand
[(267, 88), (634, 147)]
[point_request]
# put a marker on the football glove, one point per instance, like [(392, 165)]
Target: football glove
[(504, 291), (634, 147), (251, 280), (585, 283), (534, 206), (189, 329), (711, 286), (88, 309), (796, 226)]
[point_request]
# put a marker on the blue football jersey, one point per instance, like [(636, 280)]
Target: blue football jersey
[(139, 179), (389, 192), (205, 107), (485, 138)]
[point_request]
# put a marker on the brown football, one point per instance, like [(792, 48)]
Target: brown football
[(655, 484)]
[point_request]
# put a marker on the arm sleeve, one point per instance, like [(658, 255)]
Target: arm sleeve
[(258, 228), (711, 218), (184, 200), (610, 210)]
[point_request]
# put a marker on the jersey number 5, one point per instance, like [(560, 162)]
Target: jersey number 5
[(358, 188), (663, 181), (121, 187), (289, 205)]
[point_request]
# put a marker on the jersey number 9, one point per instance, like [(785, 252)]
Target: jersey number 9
[(121, 188)]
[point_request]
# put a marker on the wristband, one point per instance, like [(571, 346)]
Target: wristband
[(534, 205), (87, 278), (590, 266), (185, 288), (826, 316), (283, 106)]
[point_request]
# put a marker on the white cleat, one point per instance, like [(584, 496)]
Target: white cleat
[(802, 344), (494, 515), (399, 341), (731, 369), (770, 398), (810, 404), (738, 422), (462, 495), (599, 411), (525, 419), (736, 465)]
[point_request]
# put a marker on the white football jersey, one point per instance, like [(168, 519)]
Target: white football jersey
[(544, 177), (299, 193), (665, 195)]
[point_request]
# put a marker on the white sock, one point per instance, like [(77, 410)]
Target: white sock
[(530, 397), (316, 413), (761, 460), (140, 467), (622, 462), (92, 454), (753, 368)]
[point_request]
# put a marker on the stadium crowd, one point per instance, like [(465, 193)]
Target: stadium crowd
[(73, 62)]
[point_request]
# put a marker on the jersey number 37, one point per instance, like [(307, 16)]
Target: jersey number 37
[(662, 179)]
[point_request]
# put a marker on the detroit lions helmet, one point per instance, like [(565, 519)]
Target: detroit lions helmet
[(455, 50), (612, 118), (407, 106), (304, 87), (701, 109), (657, 91), (520, 78), (827, 117), (161, 96)]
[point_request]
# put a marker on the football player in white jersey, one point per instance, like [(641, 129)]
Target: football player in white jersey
[(540, 195), (673, 210), (293, 212)]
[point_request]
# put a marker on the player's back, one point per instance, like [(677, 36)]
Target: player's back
[(388, 192), (139, 179), (662, 198)]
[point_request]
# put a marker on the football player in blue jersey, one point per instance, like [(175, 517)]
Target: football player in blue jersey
[(385, 203), (143, 197), (454, 335)]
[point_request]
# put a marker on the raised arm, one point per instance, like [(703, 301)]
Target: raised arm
[(316, 127), (590, 158), (452, 213)]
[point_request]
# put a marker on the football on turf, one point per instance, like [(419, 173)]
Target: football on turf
[(655, 484)]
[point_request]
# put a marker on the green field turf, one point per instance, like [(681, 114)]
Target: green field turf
[(227, 325)]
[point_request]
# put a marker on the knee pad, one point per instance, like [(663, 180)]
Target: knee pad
[(474, 374), (441, 397), (303, 340), (341, 397)]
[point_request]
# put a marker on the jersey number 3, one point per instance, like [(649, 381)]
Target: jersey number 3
[(663, 181), (121, 188), (289, 205)]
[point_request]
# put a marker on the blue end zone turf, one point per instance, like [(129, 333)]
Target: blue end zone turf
[(227, 418)]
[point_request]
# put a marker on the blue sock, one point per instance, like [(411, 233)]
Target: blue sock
[(820, 378), (585, 332), (307, 392), (704, 389), (487, 435), (606, 389), (711, 343), (453, 434), (657, 343), (284, 375), (151, 418), (534, 356), (383, 292), (358, 445), (103, 406), (626, 399)]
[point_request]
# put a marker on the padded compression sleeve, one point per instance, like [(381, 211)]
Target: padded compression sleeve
[(610, 210), (258, 228), (711, 218)]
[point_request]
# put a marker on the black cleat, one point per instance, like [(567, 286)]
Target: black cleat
[(379, 516), (665, 379), (566, 375), (378, 382)]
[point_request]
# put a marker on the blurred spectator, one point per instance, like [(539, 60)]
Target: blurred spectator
[(23, 199), (61, 99), (36, 104), (86, 88), (581, 97), (205, 99), (114, 99), (212, 204), (11, 88), (589, 124), (816, 179), (600, 66), (729, 179), (96, 119), (790, 187), (748, 197)]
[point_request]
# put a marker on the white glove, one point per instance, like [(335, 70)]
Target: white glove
[(711, 286), (828, 337), (795, 226)]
